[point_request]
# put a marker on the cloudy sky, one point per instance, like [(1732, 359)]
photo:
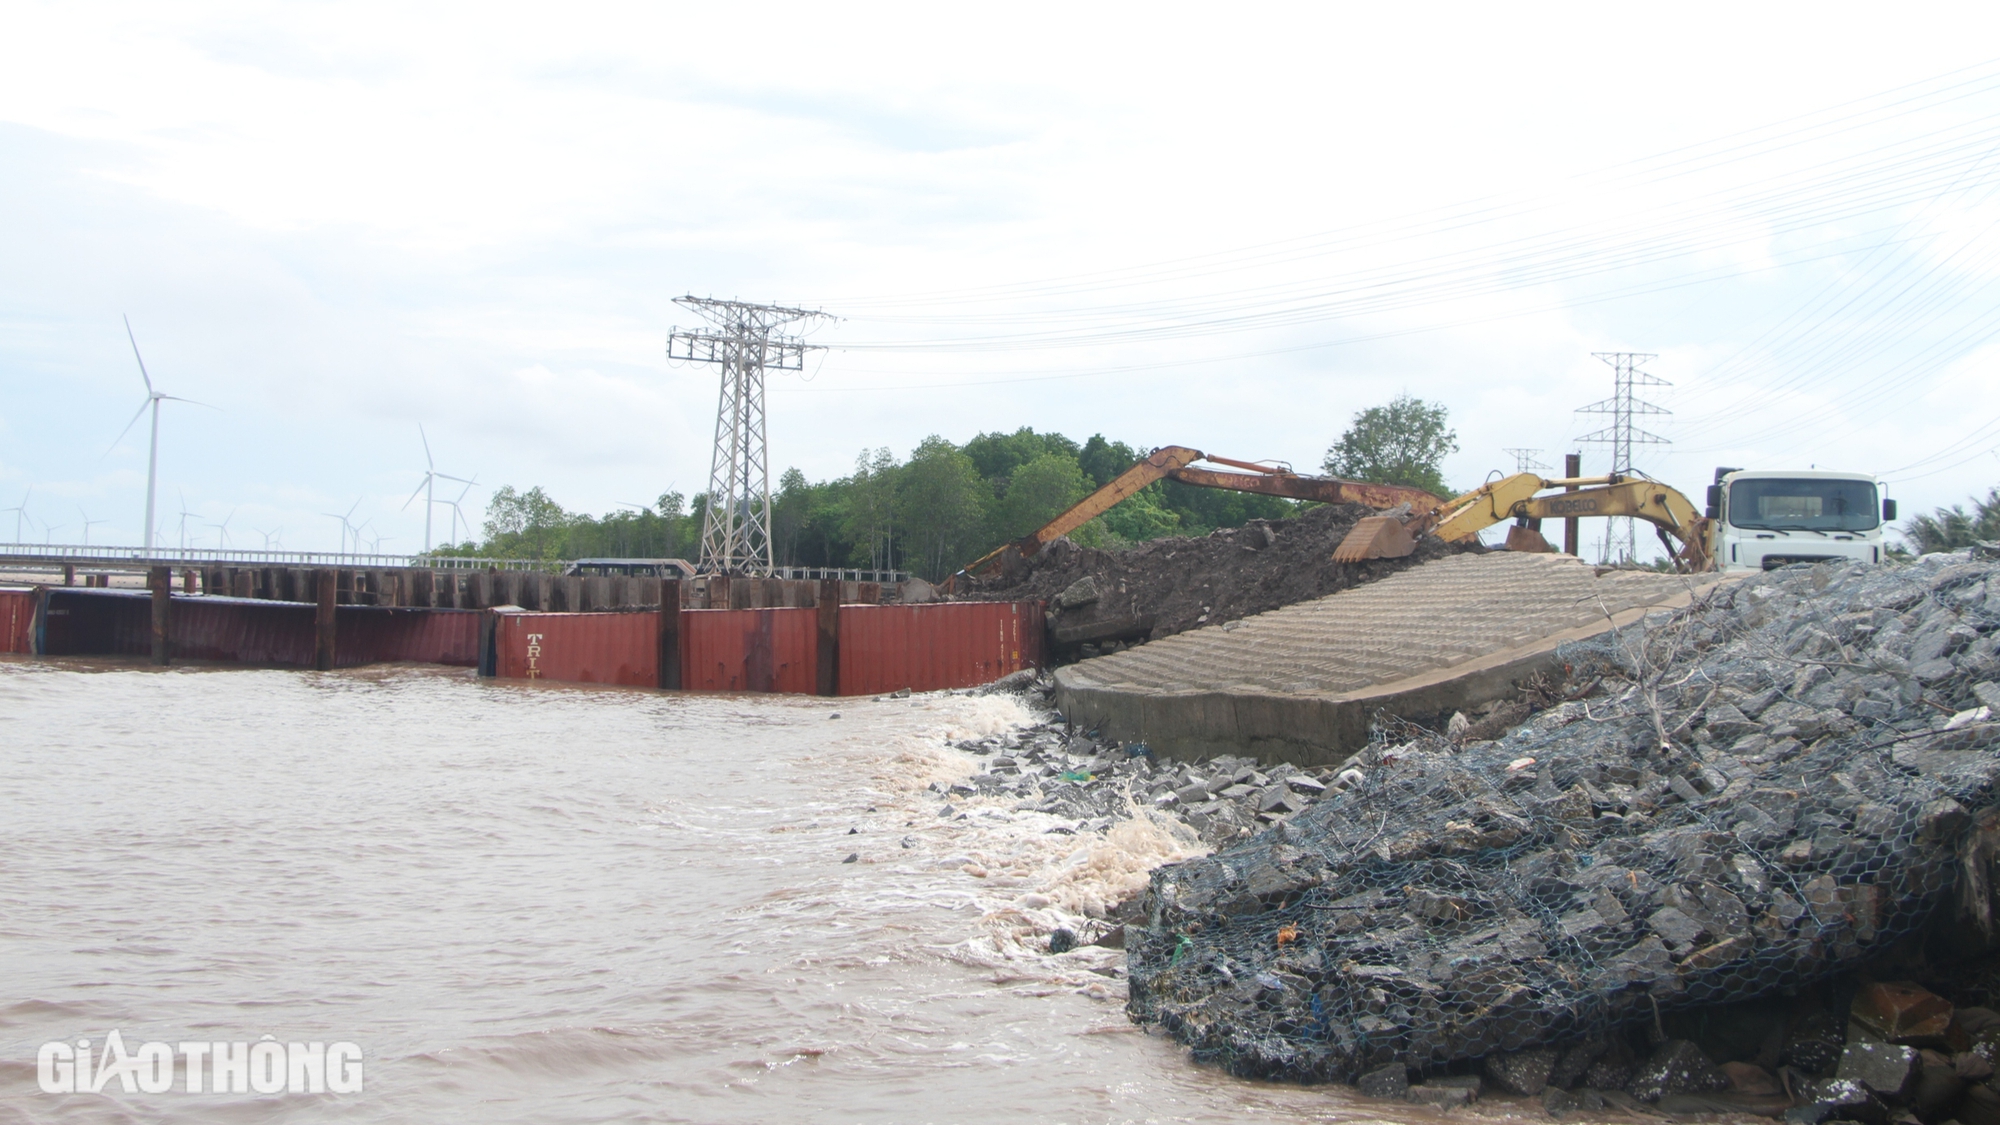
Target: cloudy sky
[(1227, 227)]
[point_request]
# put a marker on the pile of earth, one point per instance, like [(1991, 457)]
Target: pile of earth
[(1172, 585), (1761, 864)]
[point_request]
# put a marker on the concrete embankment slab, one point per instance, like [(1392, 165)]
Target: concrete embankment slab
[(1300, 684)]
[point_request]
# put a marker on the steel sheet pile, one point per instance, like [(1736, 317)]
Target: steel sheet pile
[(1770, 787)]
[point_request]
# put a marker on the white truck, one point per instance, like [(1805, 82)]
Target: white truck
[(1767, 519)]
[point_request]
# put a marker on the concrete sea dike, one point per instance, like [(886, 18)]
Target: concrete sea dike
[(1302, 684)]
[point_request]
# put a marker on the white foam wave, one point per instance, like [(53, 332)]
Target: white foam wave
[(1026, 879)]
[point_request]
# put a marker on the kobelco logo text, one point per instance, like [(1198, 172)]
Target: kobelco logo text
[(1557, 506), (263, 1067)]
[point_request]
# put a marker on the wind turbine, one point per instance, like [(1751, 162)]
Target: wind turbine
[(429, 485), (222, 529), (184, 520), (458, 513), (20, 513), (88, 523), (49, 532), (153, 400), (346, 527)]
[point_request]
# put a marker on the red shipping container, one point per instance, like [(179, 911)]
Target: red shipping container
[(584, 648), (376, 635), (17, 621), (750, 650), (885, 648)]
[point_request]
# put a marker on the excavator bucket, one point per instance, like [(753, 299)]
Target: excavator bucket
[(1376, 537), (1528, 539)]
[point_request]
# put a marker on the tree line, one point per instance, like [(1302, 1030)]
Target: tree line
[(930, 513), (947, 504)]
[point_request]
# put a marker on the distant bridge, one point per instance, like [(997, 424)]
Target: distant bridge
[(139, 558), (57, 555)]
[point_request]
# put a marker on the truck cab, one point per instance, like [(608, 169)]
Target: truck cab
[(1766, 519)]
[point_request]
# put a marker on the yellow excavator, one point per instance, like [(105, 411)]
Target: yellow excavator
[(1685, 531), (1175, 462)]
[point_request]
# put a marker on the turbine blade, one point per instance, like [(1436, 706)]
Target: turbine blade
[(137, 356), (128, 426), (191, 402), (417, 493), (428, 463)]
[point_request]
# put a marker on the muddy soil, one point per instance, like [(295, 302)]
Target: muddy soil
[(1169, 586)]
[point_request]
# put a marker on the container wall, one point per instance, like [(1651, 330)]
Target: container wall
[(365, 635), (17, 621), (243, 631), (233, 632), (928, 647), (750, 650), (93, 623), (584, 648)]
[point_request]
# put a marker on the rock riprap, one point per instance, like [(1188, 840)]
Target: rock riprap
[(1775, 783)]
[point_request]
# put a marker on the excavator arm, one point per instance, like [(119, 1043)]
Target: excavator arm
[(1683, 530), (1171, 462)]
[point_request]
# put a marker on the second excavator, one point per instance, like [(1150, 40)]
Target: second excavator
[(1408, 513), (1178, 463)]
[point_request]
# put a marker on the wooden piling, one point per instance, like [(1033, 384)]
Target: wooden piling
[(161, 580), (69, 574), (670, 633), (829, 637), (1572, 467), (328, 582)]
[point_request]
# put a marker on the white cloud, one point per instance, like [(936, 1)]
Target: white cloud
[(338, 221)]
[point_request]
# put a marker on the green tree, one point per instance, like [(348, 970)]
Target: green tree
[(1039, 491), (1142, 518), (1404, 443), (789, 509), (1102, 459), (1953, 528), (997, 455), (941, 503), (869, 524), (528, 524)]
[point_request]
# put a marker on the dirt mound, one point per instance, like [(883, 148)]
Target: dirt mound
[(1169, 586)]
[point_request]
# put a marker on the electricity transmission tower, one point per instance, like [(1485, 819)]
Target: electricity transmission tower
[(1621, 435), (745, 341), (1524, 459)]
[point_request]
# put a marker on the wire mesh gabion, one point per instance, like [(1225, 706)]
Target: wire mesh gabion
[(1768, 786)]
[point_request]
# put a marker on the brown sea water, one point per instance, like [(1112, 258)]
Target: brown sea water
[(558, 904)]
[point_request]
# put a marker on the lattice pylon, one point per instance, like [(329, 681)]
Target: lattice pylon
[(1621, 435), (745, 342)]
